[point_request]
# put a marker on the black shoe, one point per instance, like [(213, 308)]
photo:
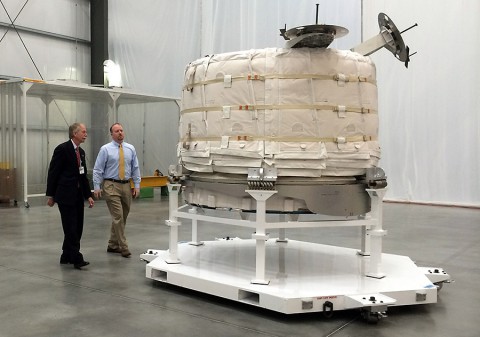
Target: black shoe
[(79, 265), (64, 261)]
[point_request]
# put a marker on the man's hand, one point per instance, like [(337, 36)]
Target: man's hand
[(90, 202), (135, 192), (50, 201), (97, 194)]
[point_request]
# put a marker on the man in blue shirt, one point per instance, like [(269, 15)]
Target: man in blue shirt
[(116, 164)]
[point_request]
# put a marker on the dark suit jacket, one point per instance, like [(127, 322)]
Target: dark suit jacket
[(64, 177)]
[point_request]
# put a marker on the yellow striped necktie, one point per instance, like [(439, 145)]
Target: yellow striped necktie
[(121, 163)]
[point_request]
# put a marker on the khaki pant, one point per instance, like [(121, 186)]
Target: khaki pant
[(119, 198)]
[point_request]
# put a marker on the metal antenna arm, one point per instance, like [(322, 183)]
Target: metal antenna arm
[(389, 38)]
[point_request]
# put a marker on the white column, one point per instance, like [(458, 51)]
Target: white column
[(260, 236), (47, 100), (376, 233), (173, 223), (365, 244), (25, 87), (281, 231), (194, 241), (114, 96)]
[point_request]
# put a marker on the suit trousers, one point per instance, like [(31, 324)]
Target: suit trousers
[(118, 198), (72, 222)]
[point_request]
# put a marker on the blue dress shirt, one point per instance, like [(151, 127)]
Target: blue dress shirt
[(106, 165)]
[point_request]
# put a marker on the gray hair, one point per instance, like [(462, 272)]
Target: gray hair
[(72, 129)]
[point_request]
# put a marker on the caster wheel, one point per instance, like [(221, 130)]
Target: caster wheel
[(371, 317)]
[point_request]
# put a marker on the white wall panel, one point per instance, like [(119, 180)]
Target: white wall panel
[(54, 57), (152, 41), (65, 17), (429, 120), (232, 25)]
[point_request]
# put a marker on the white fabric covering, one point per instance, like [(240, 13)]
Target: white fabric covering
[(308, 112)]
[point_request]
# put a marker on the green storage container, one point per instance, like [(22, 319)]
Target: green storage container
[(146, 192)]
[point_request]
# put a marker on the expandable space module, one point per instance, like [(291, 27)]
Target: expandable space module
[(302, 120), (290, 133)]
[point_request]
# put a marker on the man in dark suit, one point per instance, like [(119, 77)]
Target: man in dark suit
[(68, 186)]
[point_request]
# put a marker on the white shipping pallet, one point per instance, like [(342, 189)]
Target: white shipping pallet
[(302, 276)]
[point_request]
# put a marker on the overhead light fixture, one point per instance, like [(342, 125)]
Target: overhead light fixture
[(111, 74)]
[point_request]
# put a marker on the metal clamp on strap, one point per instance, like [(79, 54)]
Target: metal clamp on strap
[(224, 142), (341, 79), (341, 110), (340, 140), (226, 112), (227, 81), (191, 79)]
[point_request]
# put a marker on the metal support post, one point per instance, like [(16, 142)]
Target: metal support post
[(114, 96), (25, 87), (173, 223), (281, 231), (260, 236), (376, 233), (365, 244), (194, 241), (281, 235), (47, 100)]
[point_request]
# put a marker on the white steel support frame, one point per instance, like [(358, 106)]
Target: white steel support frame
[(47, 101), (114, 105), (281, 231), (260, 235), (376, 233), (173, 223), (294, 282), (194, 241), (50, 91), (365, 244), (25, 86), (371, 223)]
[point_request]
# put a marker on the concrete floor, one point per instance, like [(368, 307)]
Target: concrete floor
[(112, 296)]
